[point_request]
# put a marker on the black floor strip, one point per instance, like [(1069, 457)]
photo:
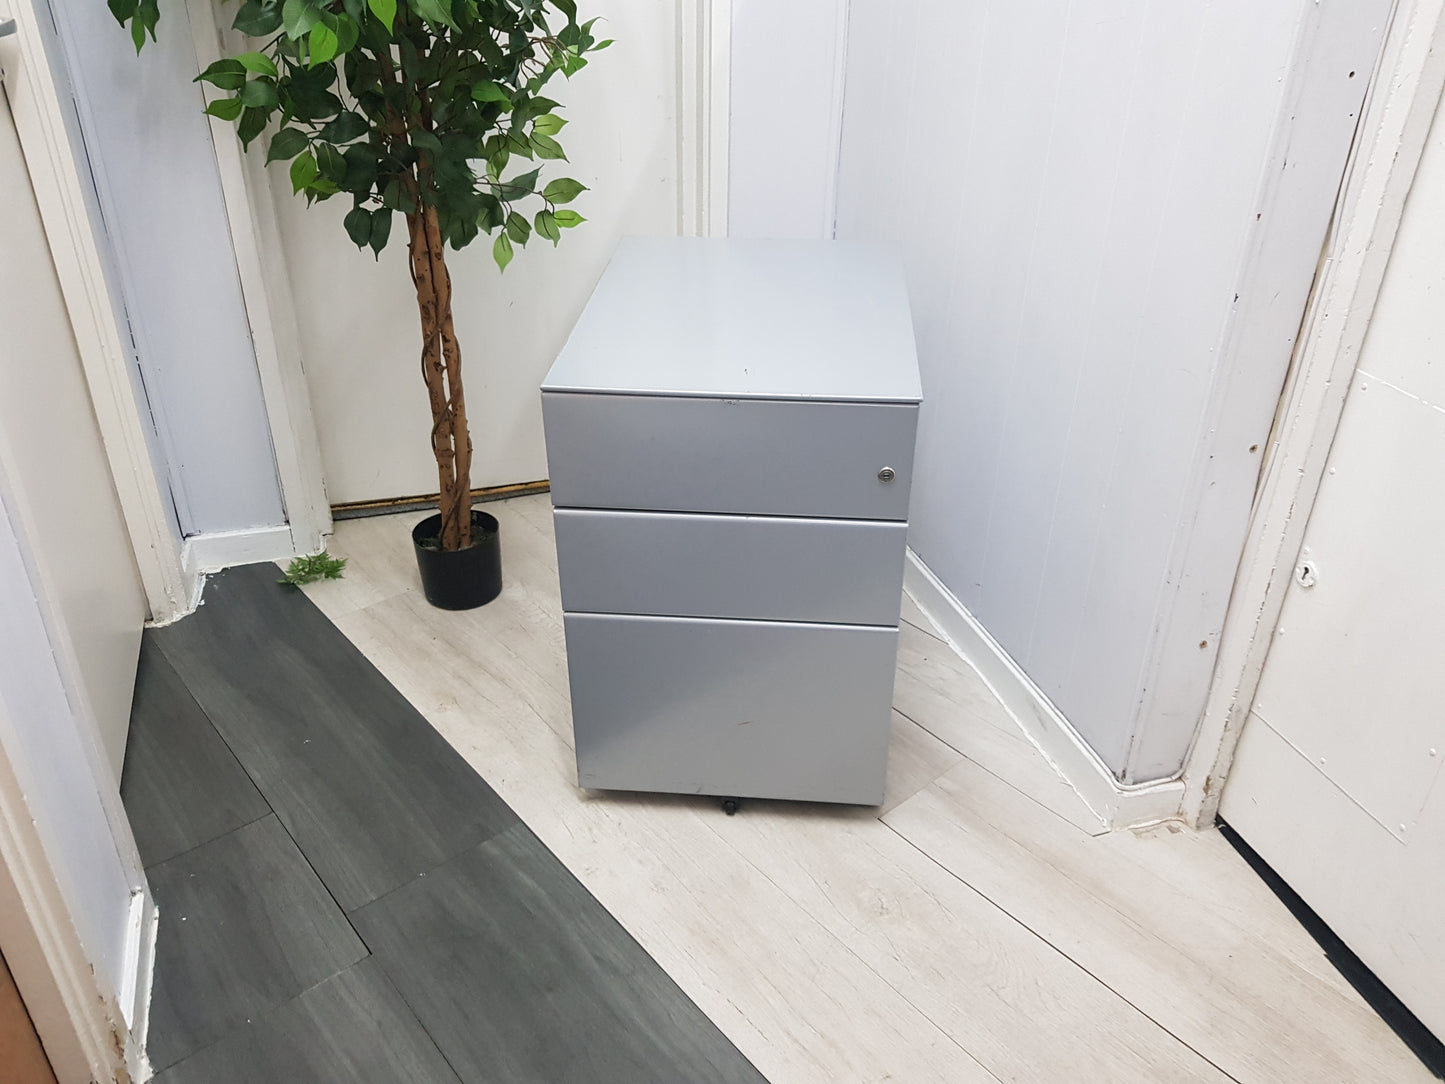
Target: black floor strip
[(491, 961), (1392, 1010)]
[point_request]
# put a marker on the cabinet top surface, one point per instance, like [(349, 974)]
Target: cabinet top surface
[(746, 319)]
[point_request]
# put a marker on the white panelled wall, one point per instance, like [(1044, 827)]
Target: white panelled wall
[(1111, 215), (786, 106)]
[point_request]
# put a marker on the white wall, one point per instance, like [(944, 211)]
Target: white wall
[(360, 332), (1080, 193), (150, 152), (51, 748), (786, 100), (63, 486)]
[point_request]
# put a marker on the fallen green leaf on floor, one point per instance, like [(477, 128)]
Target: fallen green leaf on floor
[(317, 566)]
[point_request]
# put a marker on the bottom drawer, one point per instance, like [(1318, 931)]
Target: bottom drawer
[(748, 709)]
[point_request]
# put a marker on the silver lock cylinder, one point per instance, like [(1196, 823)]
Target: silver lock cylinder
[(886, 474)]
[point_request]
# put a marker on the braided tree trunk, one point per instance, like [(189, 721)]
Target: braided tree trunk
[(441, 367)]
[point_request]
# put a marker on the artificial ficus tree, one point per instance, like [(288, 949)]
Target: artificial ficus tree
[(420, 108)]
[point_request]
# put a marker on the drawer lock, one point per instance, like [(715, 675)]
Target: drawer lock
[(886, 474)]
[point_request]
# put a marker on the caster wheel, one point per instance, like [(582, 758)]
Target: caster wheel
[(730, 806)]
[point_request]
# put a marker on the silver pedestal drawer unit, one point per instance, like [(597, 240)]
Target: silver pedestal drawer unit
[(730, 436)]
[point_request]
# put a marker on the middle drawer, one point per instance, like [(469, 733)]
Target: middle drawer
[(770, 568)]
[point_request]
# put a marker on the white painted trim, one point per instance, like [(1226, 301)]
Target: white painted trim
[(704, 35), (1118, 805), (142, 951), (1336, 45), (1405, 92), (719, 117), (106, 359), (140, 963), (225, 549), (270, 311)]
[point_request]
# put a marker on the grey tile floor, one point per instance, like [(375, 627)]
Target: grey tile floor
[(343, 899)]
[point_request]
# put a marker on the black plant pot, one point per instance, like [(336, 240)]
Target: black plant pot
[(459, 579)]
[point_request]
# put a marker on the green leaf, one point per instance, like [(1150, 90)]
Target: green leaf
[(518, 228), (299, 16), (497, 161), (567, 8), (547, 227), (287, 143), (358, 226), (563, 190), (303, 171), (347, 33), (323, 44), (307, 96), (137, 34), (435, 11), (568, 219), (330, 163), (521, 185), (380, 230), (490, 92), (425, 141), (491, 215), (385, 10), (225, 108), (228, 74), (257, 20), (315, 566), (259, 94), (547, 124), (259, 63), (361, 168), (519, 144), (502, 250), (547, 147), (601, 45), (253, 123), (345, 128), (396, 197)]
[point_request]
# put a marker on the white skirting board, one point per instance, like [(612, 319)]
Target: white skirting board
[(223, 549), (206, 553), (1119, 806)]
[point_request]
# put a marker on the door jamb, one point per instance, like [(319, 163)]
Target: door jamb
[(268, 300), (35, 103), (1405, 92)]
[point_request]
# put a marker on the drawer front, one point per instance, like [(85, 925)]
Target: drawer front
[(750, 709), (759, 456), (772, 568)]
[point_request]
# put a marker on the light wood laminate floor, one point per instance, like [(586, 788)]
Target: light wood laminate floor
[(979, 926)]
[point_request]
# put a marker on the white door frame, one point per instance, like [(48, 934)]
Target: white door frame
[(171, 567), (1405, 92), (270, 311), (35, 102)]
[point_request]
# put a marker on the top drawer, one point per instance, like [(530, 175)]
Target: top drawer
[(844, 460)]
